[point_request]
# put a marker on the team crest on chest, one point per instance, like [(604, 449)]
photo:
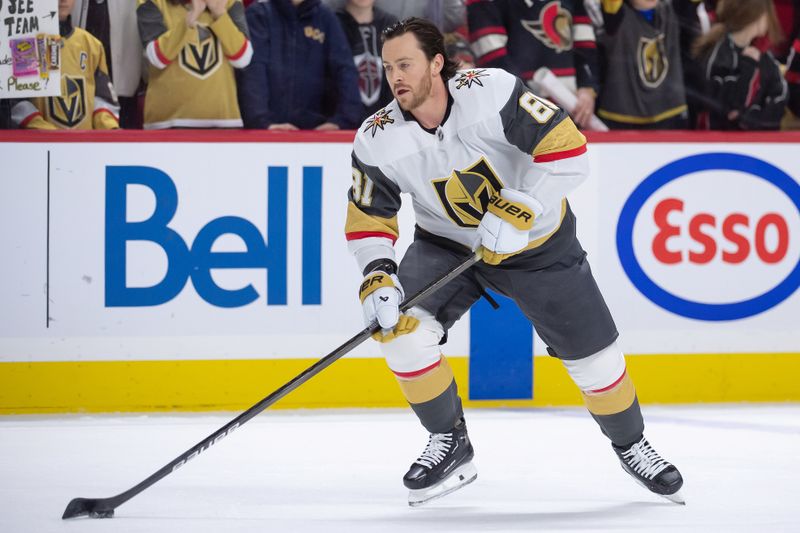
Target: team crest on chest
[(466, 79), (465, 193), (554, 27), (378, 121), (652, 61), (69, 110), (202, 59)]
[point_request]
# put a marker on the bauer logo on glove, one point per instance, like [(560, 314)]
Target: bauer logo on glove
[(505, 226), (380, 294)]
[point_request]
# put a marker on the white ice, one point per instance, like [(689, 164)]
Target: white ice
[(323, 471)]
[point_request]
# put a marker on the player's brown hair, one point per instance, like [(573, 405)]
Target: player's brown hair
[(734, 15), (431, 41)]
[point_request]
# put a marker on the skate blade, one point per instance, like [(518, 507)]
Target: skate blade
[(675, 497), (461, 476)]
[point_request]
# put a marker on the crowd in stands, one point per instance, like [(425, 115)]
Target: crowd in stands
[(316, 64)]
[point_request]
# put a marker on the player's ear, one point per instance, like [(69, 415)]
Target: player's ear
[(437, 64)]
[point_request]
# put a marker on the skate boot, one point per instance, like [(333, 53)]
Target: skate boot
[(444, 466), (644, 465)]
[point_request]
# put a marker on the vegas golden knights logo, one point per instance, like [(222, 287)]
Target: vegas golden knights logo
[(201, 59), (69, 109), (465, 193), (653, 62)]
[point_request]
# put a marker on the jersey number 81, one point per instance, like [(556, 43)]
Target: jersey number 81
[(541, 109), (362, 188)]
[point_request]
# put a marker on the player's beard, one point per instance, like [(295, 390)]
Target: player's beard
[(420, 94)]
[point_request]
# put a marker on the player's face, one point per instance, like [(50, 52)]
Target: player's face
[(408, 71)]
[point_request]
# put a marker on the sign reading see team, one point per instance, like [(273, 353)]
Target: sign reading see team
[(713, 236)]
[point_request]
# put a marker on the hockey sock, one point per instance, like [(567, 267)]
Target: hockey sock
[(616, 409), (433, 395)]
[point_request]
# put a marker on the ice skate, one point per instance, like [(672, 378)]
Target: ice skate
[(444, 466), (651, 471)]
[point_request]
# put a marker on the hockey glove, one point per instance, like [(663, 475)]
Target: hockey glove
[(505, 226), (380, 295), (405, 324)]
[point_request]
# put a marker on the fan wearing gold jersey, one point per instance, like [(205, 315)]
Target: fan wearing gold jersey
[(193, 48), (87, 98), (487, 163)]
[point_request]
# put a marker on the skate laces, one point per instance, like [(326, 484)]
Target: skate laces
[(644, 460), (436, 450)]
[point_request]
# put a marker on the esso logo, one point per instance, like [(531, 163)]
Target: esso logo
[(713, 236)]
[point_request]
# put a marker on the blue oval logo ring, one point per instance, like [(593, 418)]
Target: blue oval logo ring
[(678, 169)]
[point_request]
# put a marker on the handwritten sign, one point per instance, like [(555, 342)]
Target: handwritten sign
[(23, 69)]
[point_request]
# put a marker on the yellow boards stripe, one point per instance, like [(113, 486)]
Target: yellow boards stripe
[(206, 385)]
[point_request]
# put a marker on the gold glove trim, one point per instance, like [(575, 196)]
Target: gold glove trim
[(517, 214), (373, 282), (405, 324), (493, 258)]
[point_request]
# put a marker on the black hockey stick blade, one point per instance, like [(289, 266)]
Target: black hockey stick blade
[(104, 507), (95, 508)]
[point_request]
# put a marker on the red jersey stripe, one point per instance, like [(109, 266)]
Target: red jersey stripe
[(555, 156), (355, 235), (500, 52)]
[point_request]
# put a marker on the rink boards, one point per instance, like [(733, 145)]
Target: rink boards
[(199, 270)]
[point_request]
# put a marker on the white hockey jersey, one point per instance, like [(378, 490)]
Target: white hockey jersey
[(496, 134)]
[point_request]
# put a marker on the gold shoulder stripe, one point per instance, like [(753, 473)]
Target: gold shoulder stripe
[(360, 225), (563, 138)]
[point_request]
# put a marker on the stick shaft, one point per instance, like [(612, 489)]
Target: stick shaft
[(111, 503)]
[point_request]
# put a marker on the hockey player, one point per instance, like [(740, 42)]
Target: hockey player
[(486, 162), (87, 99)]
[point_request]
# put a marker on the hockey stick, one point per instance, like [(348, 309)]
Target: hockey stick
[(104, 507)]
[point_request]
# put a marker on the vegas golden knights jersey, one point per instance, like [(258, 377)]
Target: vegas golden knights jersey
[(87, 98), (496, 134), (191, 82)]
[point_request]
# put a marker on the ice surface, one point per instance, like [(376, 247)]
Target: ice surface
[(323, 471)]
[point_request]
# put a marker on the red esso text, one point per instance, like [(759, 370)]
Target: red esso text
[(702, 229)]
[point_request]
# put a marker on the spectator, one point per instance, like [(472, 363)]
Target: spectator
[(448, 15), (114, 25), (458, 50), (5, 114), (193, 53), (743, 87), (298, 44), (87, 98), (522, 36), (640, 56), (793, 77), (788, 15), (363, 25)]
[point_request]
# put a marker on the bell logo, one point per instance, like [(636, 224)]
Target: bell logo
[(197, 260)]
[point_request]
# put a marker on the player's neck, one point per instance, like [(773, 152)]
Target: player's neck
[(431, 112)]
